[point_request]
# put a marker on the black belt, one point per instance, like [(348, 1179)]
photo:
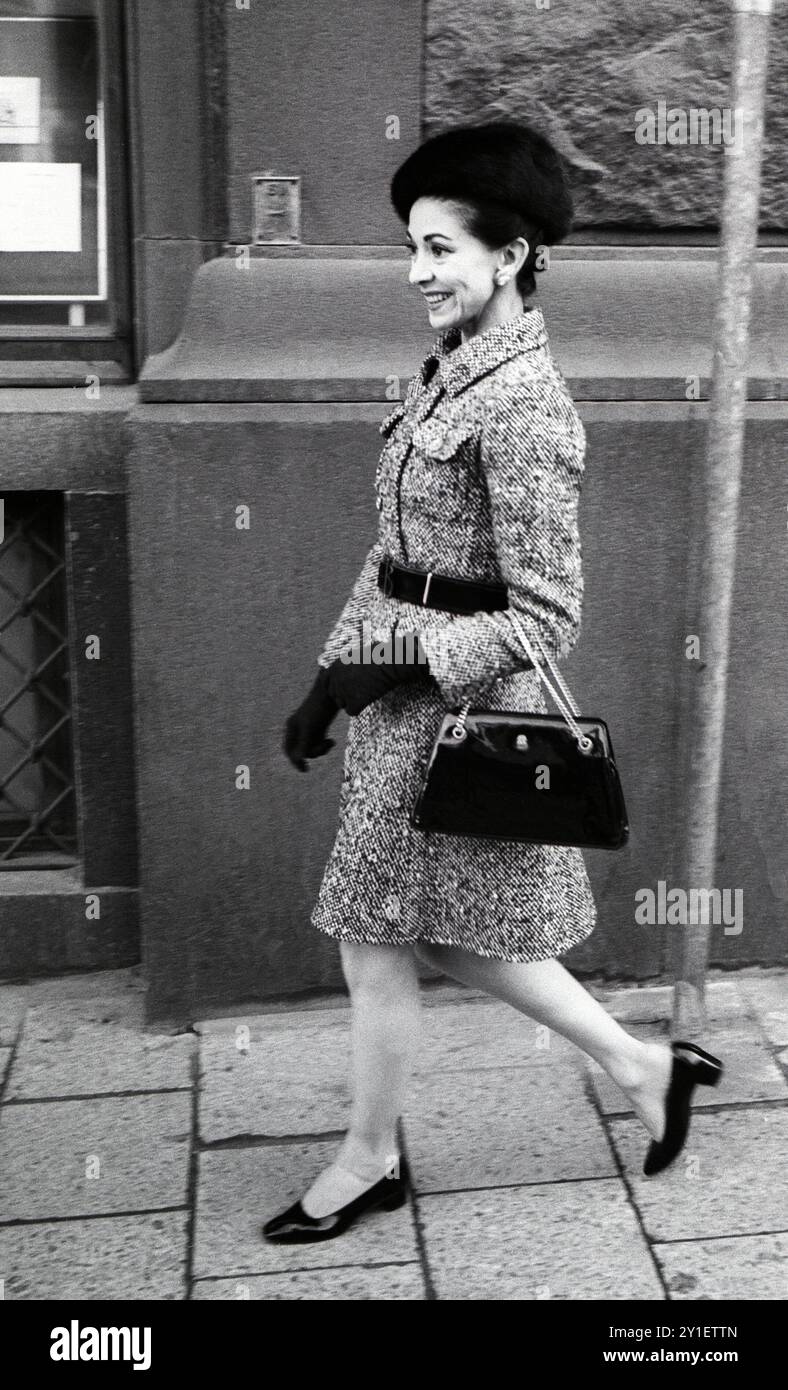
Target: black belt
[(439, 590)]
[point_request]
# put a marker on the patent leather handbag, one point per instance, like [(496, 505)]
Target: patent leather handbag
[(540, 778)]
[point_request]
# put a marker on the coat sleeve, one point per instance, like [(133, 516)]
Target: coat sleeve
[(532, 456), (348, 624)]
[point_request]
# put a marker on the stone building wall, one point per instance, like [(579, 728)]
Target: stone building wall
[(581, 71)]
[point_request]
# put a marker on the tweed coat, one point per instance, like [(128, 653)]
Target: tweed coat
[(479, 477)]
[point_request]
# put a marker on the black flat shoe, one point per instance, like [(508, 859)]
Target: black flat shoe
[(691, 1067), (296, 1227)]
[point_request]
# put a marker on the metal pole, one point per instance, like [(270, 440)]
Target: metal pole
[(719, 511)]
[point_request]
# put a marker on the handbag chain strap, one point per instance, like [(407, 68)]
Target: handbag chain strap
[(566, 705)]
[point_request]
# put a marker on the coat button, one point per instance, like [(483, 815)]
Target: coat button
[(391, 907)]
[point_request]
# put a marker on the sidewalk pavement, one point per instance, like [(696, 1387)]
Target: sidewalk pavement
[(141, 1164)]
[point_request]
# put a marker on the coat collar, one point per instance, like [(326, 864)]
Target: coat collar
[(460, 364)]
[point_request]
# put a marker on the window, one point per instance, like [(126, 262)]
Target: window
[(63, 251)]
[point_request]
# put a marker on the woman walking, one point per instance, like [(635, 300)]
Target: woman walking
[(477, 489)]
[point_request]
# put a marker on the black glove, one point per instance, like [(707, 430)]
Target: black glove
[(306, 727), (354, 684)]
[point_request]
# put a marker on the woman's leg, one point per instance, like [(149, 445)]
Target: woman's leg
[(547, 992), (385, 1016)]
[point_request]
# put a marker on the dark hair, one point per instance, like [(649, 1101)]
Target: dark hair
[(507, 179)]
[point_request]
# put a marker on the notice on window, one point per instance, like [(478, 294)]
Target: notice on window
[(40, 207), (20, 110)]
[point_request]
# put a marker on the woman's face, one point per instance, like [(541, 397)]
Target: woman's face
[(455, 271)]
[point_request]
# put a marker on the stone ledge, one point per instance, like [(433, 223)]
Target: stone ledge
[(337, 413), (59, 399), (66, 372), (44, 931), (301, 328)]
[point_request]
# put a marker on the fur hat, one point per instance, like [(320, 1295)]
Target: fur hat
[(501, 168)]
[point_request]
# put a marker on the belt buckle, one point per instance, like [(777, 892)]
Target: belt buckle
[(387, 573), (427, 587)]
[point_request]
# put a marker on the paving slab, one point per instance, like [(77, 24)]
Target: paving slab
[(92, 984), (573, 1240), (389, 1283), (747, 1267), (750, 1074), (103, 1257), (729, 1180), (482, 1035), (93, 1047), (137, 1145), (654, 1003), (14, 1001), (289, 1074), (518, 1191), (240, 1189), (767, 998), (257, 1025), (503, 1126), (286, 1075), (97, 985)]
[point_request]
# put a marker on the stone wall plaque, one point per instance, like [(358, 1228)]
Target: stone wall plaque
[(276, 202)]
